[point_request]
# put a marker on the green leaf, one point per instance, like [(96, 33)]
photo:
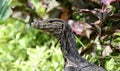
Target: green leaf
[(110, 64), (5, 10)]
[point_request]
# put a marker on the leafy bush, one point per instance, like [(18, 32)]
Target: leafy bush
[(23, 48), (20, 50)]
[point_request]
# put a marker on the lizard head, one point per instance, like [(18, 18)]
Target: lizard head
[(53, 26)]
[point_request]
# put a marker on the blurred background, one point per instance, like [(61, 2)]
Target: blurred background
[(96, 24)]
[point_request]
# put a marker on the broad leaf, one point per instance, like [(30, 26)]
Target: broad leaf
[(5, 10)]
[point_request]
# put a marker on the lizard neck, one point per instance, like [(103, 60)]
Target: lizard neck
[(68, 45)]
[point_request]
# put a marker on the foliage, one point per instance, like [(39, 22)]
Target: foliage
[(22, 48)]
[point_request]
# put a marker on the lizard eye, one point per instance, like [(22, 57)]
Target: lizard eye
[(51, 21), (55, 20)]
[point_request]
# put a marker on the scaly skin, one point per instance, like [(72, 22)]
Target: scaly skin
[(62, 31)]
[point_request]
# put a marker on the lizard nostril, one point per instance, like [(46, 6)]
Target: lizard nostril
[(32, 24)]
